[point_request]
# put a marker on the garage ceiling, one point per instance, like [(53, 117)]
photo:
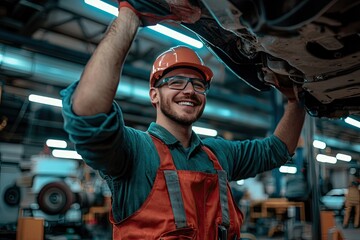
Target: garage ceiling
[(44, 45)]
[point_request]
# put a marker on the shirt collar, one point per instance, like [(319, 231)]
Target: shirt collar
[(163, 134)]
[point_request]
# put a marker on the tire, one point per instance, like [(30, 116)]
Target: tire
[(12, 196), (55, 198)]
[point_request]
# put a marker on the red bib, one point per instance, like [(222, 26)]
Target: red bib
[(183, 205)]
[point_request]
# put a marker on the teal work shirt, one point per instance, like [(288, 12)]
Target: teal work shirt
[(127, 158)]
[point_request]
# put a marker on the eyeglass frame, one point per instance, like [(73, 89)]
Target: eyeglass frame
[(163, 81)]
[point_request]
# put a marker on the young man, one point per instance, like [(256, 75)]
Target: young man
[(166, 183)]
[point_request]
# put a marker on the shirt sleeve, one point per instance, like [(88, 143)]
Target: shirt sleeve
[(244, 159), (97, 136)]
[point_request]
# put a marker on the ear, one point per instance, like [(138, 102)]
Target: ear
[(154, 96)]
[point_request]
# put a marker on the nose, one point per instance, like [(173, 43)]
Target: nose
[(189, 88)]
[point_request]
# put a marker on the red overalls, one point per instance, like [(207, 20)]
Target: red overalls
[(183, 205)]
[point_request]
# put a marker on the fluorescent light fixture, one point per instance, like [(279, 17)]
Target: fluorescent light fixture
[(319, 144), (103, 6), (205, 131), (343, 157), (176, 35), (288, 169), (157, 28), (352, 121), (240, 182), (56, 143), (66, 154), (45, 100), (326, 159)]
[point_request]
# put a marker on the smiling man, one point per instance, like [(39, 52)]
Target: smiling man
[(166, 183), (179, 82)]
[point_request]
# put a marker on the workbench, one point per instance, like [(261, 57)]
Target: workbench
[(276, 208)]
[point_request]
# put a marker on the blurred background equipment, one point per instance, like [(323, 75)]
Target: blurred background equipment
[(9, 192), (50, 187)]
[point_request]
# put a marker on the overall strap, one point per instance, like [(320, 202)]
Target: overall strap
[(172, 182), (177, 204), (224, 198), (222, 176), (166, 161), (212, 157)]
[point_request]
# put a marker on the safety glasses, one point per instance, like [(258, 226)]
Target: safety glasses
[(180, 83)]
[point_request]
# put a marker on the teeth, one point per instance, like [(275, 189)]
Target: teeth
[(186, 103)]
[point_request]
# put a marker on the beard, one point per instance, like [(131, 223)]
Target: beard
[(183, 119)]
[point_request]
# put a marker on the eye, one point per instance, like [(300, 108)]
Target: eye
[(199, 84), (176, 82)]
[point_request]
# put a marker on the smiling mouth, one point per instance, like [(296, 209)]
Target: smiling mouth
[(183, 103)]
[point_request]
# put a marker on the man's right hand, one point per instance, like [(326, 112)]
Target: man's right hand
[(155, 11)]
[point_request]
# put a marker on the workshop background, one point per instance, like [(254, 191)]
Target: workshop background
[(44, 46)]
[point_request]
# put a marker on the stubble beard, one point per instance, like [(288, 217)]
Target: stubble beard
[(172, 115)]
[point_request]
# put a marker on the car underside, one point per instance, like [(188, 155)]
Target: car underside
[(310, 46)]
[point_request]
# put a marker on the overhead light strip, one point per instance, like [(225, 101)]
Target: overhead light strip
[(59, 153), (205, 131), (176, 35), (45, 100), (103, 6), (240, 182), (319, 144), (56, 143), (352, 121), (288, 169), (343, 157), (157, 28), (326, 159)]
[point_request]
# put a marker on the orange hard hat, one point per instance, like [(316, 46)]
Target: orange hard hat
[(175, 57)]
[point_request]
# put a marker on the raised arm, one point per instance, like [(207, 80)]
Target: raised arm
[(290, 125), (101, 76)]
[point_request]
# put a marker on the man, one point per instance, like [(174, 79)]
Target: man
[(166, 183)]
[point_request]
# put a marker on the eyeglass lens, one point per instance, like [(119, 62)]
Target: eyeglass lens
[(180, 83)]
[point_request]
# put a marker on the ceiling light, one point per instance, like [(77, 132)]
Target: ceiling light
[(45, 100), (343, 157), (158, 28), (326, 159), (176, 35), (352, 121), (205, 131), (56, 143), (288, 169), (66, 154), (103, 6), (319, 144), (240, 182)]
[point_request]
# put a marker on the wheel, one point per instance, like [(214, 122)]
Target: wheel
[(12, 196), (55, 198)]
